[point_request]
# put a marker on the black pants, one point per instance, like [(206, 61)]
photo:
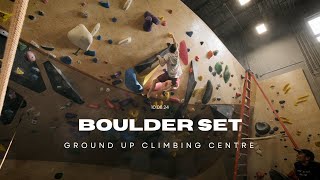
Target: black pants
[(276, 175)]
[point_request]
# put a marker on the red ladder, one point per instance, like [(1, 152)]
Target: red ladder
[(240, 165)]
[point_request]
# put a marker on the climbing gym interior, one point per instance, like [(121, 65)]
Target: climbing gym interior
[(73, 71)]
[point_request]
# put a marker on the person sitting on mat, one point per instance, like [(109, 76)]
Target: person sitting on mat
[(304, 169), (173, 71)]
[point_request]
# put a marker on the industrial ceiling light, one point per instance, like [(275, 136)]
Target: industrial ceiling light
[(315, 25), (318, 38), (261, 28), (243, 2)]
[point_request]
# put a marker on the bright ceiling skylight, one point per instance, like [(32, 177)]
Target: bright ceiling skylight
[(243, 2), (318, 38), (315, 25), (261, 28)]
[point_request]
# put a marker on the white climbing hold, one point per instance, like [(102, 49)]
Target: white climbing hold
[(127, 5), (95, 29), (101, 89), (125, 41), (81, 37), (35, 44), (108, 90)]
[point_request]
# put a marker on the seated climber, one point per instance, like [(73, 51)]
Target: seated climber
[(173, 71), (304, 169)]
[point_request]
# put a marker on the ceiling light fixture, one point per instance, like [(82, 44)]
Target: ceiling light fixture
[(243, 2), (315, 25), (261, 28), (318, 38)]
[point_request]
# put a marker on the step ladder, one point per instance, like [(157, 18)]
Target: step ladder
[(240, 165)]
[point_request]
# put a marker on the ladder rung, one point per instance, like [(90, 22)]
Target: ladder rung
[(247, 98), (248, 89), (247, 106), (242, 175), (246, 115), (249, 80), (243, 154), (244, 134)]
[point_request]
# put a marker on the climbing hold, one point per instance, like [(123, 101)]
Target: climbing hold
[(110, 41), (200, 78), (210, 69), (189, 33), (218, 98), (116, 82), (201, 43), (287, 90), (303, 97), (161, 18), (19, 71), (188, 49), (214, 73), (133, 113), (84, 14), (66, 59), (286, 87), (2, 148), (282, 102), (40, 13), (35, 70), (317, 143), (271, 131), (90, 53), (218, 68), (183, 52), (147, 26), (22, 46), (99, 37), (94, 106), (208, 93), (164, 23), (83, 4), (209, 54), (127, 5), (70, 115), (48, 48), (226, 74), (125, 41), (34, 77), (215, 53), (58, 175), (45, 1), (131, 81), (170, 11), (109, 103), (155, 20), (197, 58), (114, 19), (104, 4), (262, 128), (31, 17), (95, 60), (116, 75), (30, 56), (276, 128), (230, 84), (238, 95)]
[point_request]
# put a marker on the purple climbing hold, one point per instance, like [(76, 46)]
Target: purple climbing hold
[(105, 4), (147, 26), (66, 59), (114, 19), (155, 20), (110, 41), (116, 75), (90, 53), (189, 33), (70, 115)]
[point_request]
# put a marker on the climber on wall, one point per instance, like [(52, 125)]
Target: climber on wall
[(304, 169), (173, 71)]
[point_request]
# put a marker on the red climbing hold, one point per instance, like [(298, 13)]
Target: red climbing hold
[(197, 58), (109, 103), (94, 106), (238, 95), (45, 1), (183, 52)]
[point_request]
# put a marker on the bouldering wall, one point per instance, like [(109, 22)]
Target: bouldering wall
[(47, 24), (291, 95)]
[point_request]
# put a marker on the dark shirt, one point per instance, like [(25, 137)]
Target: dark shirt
[(309, 172)]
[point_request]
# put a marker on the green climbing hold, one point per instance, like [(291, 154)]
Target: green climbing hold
[(226, 74), (218, 68), (22, 46)]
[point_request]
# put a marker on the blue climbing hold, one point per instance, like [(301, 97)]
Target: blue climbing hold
[(104, 4), (110, 41), (189, 33), (90, 53), (34, 77), (131, 81), (95, 60), (114, 19), (70, 115), (99, 37), (66, 59)]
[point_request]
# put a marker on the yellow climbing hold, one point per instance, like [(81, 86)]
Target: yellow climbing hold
[(303, 97), (161, 18), (200, 78), (317, 144), (197, 92), (4, 16), (167, 96), (300, 101), (287, 90), (160, 102), (2, 148), (170, 35), (286, 87), (133, 113), (19, 71)]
